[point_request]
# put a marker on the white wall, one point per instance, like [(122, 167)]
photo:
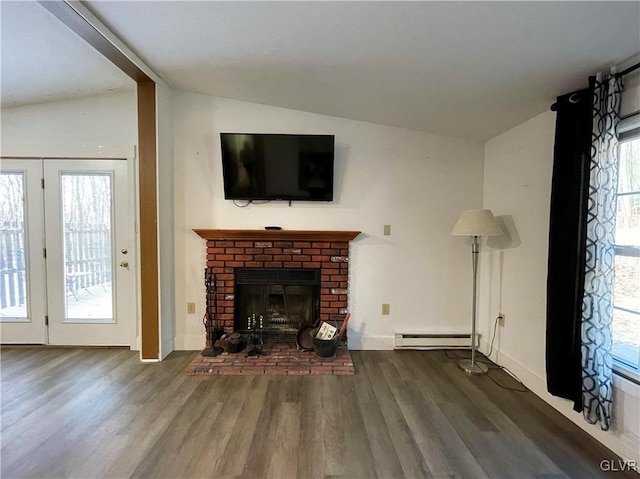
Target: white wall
[(517, 185), (166, 252), (95, 126), (416, 182)]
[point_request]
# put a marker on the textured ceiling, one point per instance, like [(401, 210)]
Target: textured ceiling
[(42, 60), (468, 69)]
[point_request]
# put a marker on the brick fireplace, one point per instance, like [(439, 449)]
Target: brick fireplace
[(327, 252)]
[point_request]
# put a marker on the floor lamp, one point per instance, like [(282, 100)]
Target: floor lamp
[(475, 223)]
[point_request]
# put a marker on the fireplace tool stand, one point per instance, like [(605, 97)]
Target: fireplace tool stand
[(214, 331), (256, 341)]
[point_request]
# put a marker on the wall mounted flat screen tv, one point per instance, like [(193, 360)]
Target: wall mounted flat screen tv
[(277, 167)]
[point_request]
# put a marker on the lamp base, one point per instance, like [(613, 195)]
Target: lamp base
[(477, 368)]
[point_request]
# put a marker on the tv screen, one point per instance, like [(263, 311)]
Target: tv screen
[(277, 167)]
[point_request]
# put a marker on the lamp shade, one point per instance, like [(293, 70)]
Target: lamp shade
[(476, 223)]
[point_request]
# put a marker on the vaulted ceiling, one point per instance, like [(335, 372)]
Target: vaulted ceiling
[(42, 60), (468, 69)]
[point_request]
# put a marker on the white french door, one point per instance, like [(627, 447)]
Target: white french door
[(90, 247), (22, 267), (86, 284)]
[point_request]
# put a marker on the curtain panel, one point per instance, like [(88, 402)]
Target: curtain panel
[(567, 244), (597, 308)]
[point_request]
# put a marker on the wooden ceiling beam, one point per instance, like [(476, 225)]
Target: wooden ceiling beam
[(64, 12)]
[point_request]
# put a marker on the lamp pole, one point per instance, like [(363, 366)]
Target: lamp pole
[(470, 366)]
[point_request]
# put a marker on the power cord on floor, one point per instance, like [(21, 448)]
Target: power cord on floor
[(493, 366), (504, 368), (508, 371)]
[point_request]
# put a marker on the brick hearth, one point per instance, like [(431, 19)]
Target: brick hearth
[(324, 250), (281, 359)]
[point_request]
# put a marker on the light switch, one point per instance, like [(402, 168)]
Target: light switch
[(387, 230), (191, 308), (385, 308)]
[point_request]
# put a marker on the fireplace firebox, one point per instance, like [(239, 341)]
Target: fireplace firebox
[(286, 298)]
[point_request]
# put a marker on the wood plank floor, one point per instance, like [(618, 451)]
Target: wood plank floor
[(408, 414)]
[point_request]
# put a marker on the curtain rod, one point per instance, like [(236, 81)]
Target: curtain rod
[(628, 70), (632, 68)]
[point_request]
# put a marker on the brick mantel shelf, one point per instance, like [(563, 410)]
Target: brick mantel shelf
[(277, 235)]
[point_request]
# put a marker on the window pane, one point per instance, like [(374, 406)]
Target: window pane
[(86, 203), (629, 172), (626, 338), (626, 324), (628, 220), (626, 291), (13, 274)]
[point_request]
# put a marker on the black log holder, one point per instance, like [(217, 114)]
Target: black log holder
[(214, 331)]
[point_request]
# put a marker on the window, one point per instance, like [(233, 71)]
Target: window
[(626, 309)]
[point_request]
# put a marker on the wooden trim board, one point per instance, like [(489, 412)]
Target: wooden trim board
[(81, 27), (149, 297)]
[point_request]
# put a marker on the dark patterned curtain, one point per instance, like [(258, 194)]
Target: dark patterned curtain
[(581, 248), (597, 308)]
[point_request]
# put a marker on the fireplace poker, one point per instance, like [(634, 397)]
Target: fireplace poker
[(211, 316)]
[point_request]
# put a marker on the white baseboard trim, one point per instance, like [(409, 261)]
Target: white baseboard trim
[(623, 445), (191, 342)]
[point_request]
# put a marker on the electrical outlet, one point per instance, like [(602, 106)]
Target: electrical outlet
[(501, 319), (385, 308), (191, 308)]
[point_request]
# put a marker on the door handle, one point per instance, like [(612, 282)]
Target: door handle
[(124, 264)]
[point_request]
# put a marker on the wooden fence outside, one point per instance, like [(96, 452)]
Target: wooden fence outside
[(88, 260)]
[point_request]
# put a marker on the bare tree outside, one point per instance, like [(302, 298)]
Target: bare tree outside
[(13, 275), (87, 218)]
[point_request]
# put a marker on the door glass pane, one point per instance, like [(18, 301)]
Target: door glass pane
[(88, 259), (13, 270)]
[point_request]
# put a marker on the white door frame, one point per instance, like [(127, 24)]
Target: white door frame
[(79, 152)]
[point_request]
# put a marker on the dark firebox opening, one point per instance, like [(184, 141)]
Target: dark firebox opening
[(287, 298)]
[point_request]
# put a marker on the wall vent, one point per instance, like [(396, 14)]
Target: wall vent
[(433, 340)]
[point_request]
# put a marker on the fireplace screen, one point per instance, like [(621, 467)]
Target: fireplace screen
[(287, 298)]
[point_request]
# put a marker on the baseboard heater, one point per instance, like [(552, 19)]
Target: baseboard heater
[(433, 340)]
